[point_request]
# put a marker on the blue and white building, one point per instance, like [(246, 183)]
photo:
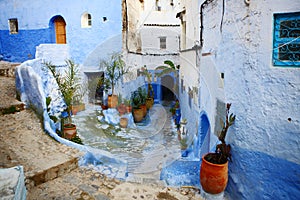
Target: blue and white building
[(245, 53), (82, 30)]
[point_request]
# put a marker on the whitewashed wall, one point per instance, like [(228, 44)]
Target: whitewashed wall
[(265, 137)]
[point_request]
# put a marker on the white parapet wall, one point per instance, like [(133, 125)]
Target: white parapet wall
[(54, 53)]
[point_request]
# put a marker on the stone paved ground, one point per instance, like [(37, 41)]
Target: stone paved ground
[(51, 168)]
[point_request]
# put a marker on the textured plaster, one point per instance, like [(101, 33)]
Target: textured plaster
[(265, 98), (34, 26)]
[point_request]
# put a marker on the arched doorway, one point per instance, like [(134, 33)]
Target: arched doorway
[(58, 29), (204, 135), (167, 85)]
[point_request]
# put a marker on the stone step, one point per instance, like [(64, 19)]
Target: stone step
[(35, 178), (23, 142), (8, 69), (8, 102)]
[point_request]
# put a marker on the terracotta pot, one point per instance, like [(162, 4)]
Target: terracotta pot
[(138, 114), (144, 108), (213, 177), (123, 122), (69, 131), (104, 107), (112, 101), (149, 103), (128, 109), (77, 108)]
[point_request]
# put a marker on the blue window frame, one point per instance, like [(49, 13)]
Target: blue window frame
[(286, 45)]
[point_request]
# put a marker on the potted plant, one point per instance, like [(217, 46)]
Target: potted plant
[(150, 91), (69, 84), (143, 96), (114, 70), (121, 106), (216, 164), (128, 105), (78, 104), (137, 111)]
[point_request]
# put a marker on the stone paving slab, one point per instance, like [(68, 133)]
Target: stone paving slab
[(23, 142), (8, 95), (86, 183)]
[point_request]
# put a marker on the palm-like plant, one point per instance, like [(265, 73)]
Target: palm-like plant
[(114, 69), (168, 68), (148, 75), (68, 82)]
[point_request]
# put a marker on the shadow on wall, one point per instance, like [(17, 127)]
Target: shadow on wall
[(266, 177)]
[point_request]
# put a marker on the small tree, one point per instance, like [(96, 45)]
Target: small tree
[(68, 82), (114, 69)]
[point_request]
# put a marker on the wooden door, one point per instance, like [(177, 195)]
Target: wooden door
[(60, 30)]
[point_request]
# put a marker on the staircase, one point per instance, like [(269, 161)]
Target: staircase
[(23, 141), (8, 103)]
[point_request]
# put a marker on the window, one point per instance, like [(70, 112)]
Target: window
[(86, 20), (13, 26), (163, 42), (286, 45), (89, 19), (157, 5)]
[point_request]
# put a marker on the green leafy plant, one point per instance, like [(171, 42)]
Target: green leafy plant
[(168, 68), (48, 102), (148, 75), (115, 68), (136, 100), (143, 94), (68, 82), (77, 140)]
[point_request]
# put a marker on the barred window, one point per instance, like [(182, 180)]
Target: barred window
[(286, 45)]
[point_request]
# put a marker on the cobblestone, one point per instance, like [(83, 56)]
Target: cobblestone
[(23, 142)]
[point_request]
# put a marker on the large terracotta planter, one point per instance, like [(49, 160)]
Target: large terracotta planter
[(69, 131), (112, 101), (144, 108), (213, 177), (138, 114), (149, 103)]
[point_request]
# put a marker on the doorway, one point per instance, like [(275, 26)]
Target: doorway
[(60, 30)]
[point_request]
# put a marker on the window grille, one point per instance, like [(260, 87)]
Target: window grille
[(286, 45)]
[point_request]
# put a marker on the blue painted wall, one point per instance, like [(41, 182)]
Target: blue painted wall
[(263, 176), (34, 23), (21, 47)]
